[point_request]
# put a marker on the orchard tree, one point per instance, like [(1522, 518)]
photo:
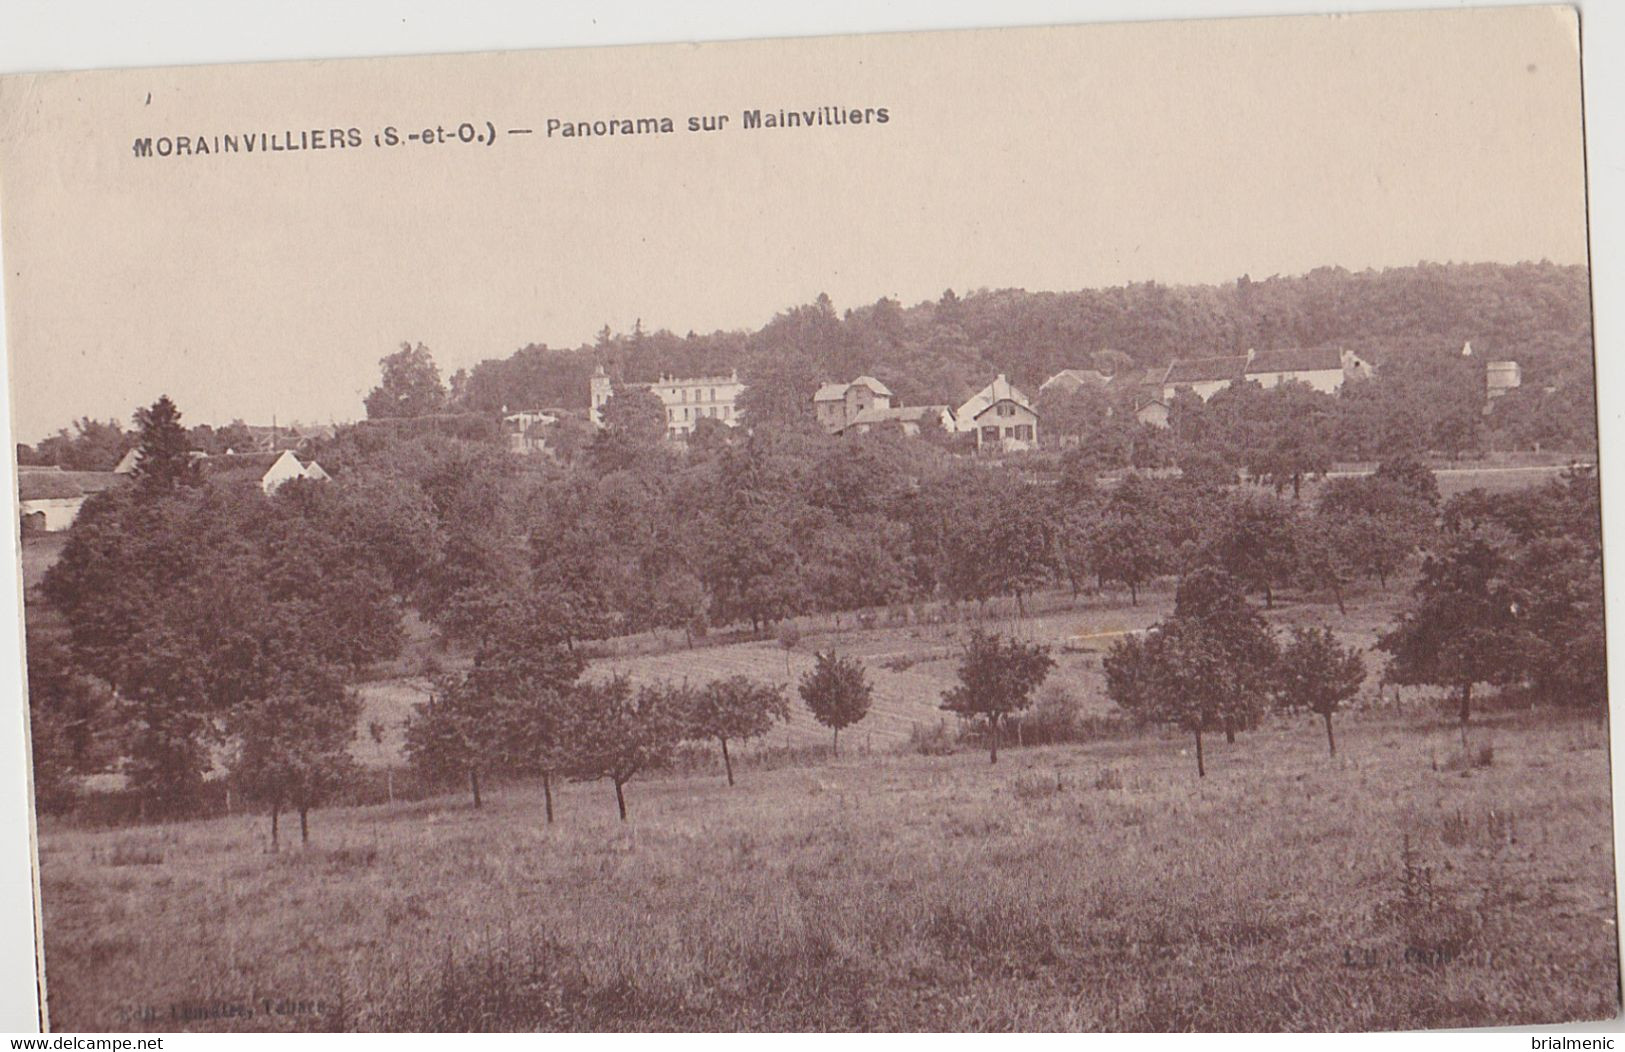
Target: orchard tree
[(457, 732), (1254, 539), (293, 744), (1177, 674), (410, 385), (1206, 668), (1290, 436), (837, 691), (737, 707), (1130, 542), (997, 679), (618, 731), (1318, 674), (1462, 626)]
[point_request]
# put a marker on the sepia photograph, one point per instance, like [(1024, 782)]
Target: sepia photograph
[(1078, 528)]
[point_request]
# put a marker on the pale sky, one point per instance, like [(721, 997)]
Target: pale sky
[(252, 285)]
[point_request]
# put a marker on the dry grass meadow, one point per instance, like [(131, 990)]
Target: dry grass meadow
[(1088, 887)]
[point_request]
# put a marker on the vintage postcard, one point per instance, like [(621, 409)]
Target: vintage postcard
[(1087, 528)]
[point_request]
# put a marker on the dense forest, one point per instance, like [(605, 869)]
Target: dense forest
[(943, 350)]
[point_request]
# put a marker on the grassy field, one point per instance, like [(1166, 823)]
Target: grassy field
[(1098, 886)]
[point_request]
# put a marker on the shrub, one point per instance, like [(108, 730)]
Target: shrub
[(933, 740)]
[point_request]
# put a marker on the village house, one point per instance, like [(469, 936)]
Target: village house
[(49, 498), (908, 420), (838, 405), (1001, 417), (687, 400)]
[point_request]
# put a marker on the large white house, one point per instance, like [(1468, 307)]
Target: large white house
[(687, 400)]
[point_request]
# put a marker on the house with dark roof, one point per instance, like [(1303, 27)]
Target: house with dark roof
[(49, 498), (837, 405), (1325, 369), (908, 419)]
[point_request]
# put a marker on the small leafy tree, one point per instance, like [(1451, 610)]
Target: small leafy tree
[(1318, 674), (618, 731), (837, 691), (739, 708), (457, 732), (293, 745), (997, 679)]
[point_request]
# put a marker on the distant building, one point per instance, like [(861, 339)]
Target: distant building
[(909, 420), (1203, 377), (837, 405), (49, 499), (687, 400), (1000, 416), (1071, 381), (526, 429), (1501, 377), (1153, 412), (269, 471), (1324, 369)]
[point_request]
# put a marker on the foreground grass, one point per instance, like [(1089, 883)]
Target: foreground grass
[(1081, 888)]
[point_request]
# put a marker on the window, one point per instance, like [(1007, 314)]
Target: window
[(713, 394), (990, 434)]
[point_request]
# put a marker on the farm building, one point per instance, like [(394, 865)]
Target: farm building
[(49, 499), (1001, 417), (1324, 369), (269, 471), (839, 405)]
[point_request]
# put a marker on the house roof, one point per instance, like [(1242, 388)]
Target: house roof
[(56, 484), (1296, 360), (1073, 379), (254, 466), (46, 485), (837, 392), (1000, 390), (1206, 370), (876, 414), (872, 384)]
